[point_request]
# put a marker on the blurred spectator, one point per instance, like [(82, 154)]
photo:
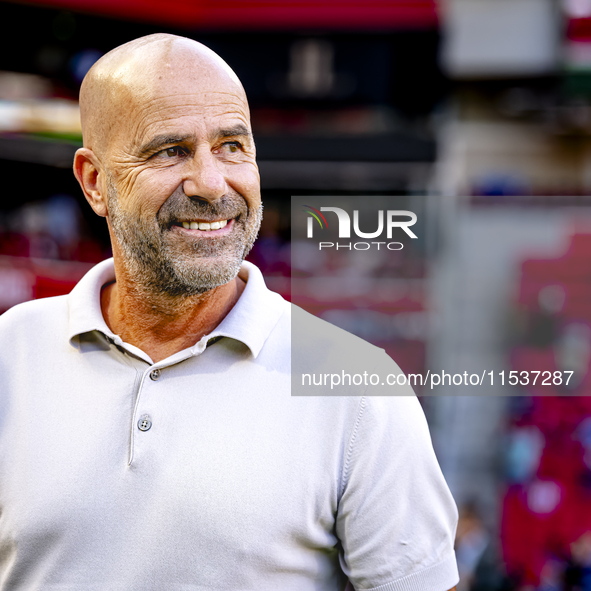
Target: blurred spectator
[(50, 229), (578, 573), (478, 554), (472, 540)]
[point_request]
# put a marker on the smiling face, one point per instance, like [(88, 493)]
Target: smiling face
[(183, 198)]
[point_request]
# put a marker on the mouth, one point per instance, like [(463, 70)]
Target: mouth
[(204, 227)]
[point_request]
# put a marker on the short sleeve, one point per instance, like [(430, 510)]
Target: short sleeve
[(396, 518)]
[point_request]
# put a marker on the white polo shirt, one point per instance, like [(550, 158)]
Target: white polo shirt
[(201, 472)]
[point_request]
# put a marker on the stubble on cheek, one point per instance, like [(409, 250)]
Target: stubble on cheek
[(161, 260)]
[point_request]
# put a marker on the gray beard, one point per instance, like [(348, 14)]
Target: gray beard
[(163, 264)]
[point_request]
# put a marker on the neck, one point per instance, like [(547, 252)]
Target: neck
[(161, 325)]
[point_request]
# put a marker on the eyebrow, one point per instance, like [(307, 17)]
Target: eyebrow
[(235, 131), (157, 142)]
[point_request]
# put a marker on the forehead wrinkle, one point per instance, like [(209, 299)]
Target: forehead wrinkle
[(149, 118), (164, 103), (184, 108), (159, 126), (177, 118), (189, 109), (201, 90)]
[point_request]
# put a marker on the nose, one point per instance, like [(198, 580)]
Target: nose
[(205, 176)]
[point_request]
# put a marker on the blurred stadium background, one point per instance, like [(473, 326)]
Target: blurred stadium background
[(476, 114)]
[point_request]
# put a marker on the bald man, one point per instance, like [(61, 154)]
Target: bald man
[(148, 438)]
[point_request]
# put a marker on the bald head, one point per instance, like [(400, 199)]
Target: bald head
[(136, 73)]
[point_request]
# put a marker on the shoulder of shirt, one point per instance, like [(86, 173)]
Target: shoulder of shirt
[(318, 347), (325, 334), (329, 348)]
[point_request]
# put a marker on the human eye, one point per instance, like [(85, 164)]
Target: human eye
[(229, 148), (172, 152), (232, 147)]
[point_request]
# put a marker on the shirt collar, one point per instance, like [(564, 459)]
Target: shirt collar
[(255, 314), (250, 321)]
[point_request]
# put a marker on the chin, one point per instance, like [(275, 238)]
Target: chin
[(202, 277)]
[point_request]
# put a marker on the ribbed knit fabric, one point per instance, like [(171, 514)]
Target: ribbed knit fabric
[(443, 575)]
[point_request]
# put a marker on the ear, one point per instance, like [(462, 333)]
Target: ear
[(88, 171)]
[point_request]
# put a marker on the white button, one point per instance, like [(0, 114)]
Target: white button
[(144, 423), (155, 374)]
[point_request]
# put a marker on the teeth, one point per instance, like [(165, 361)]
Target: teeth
[(205, 225)]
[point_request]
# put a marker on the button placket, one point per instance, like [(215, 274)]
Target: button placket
[(145, 421), (142, 421)]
